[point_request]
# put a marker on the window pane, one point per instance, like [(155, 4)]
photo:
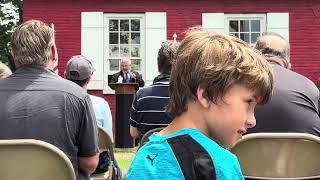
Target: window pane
[(113, 51), (254, 37), (234, 34), (136, 64), (114, 64), (113, 38), (135, 38), (135, 25), (255, 25), (124, 25), (245, 37), (113, 25), (124, 51), (244, 26), (135, 51), (233, 26), (124, 38)]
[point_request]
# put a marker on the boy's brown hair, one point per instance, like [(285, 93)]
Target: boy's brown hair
[(215, 62)]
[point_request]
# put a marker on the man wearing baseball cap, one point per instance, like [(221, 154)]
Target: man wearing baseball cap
[(79, 70)]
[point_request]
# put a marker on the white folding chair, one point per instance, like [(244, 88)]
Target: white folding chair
[(105, 142), (30, 159), (279, 156)]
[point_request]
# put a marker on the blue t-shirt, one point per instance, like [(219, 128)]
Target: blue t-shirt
[(103, 113), (186, 154)]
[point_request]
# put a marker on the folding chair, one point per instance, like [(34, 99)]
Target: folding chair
[(105, 142), (281, 156), (30, 159)]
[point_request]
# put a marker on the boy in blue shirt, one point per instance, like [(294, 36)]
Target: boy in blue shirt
[(216, 82)]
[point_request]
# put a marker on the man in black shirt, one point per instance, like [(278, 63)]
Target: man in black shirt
[(294, 104)]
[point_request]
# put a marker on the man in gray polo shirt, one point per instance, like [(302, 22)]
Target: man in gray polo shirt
[(38, 104), (294, 104)]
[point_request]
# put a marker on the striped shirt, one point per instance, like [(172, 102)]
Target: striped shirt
[(148, 107)]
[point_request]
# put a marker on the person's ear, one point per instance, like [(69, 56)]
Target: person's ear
[(202, 98), (12, 55), (54, 54)]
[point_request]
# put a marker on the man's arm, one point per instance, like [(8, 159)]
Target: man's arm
[(139, 80), (134, 132), (133, 117), (107, 118), (88, 150), (114, 79), (88, 164)]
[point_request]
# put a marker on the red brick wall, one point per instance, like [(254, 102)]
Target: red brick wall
[(66, 15)]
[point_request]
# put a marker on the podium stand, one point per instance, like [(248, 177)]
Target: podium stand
[(124, 97)]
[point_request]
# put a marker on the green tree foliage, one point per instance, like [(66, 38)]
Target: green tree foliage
[(10, 18)]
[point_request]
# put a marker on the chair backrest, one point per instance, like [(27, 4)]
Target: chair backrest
[(105, 141), (145, 137), (279, 156), (30, 159)]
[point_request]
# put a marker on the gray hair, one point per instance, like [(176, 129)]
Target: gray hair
[(126, 59), (31, 43), (266, 44)]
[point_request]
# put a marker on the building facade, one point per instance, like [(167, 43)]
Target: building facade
[(106, 31)]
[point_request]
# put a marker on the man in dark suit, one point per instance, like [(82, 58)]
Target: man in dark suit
[(126, 74)]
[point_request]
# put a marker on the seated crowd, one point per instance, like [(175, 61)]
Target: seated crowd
[(211, 90)]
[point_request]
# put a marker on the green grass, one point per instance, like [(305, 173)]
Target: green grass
[(124, 157), (124, 164), (125, 150)]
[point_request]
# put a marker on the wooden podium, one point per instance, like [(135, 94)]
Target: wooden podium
[(125, 93)]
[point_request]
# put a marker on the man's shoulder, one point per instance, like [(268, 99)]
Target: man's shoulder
[(135, 72), (280, 71), (97, 99), (117, 73), (154, 89), (288, 79), (69, 87)]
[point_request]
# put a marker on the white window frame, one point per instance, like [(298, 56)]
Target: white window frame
[(261, 17), (106, 71)]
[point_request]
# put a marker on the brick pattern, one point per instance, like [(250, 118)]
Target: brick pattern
[(66, 15)]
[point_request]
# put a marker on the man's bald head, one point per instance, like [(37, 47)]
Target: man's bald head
[(273, 44)]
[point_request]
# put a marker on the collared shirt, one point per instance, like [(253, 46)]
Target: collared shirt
[(38, 104), (148, 107)]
